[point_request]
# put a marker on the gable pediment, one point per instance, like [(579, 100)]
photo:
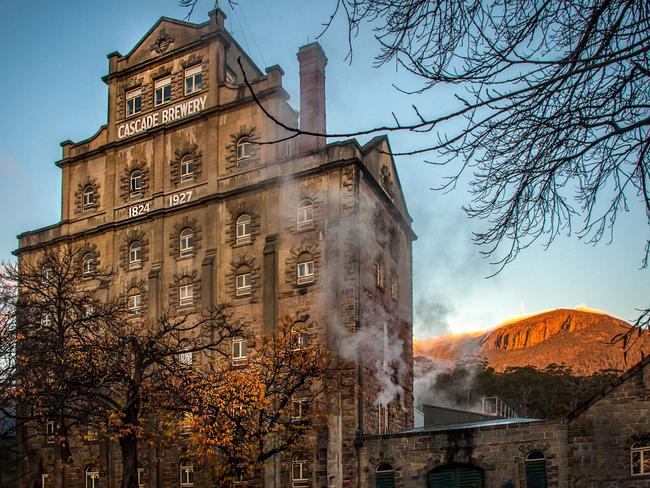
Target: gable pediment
[(379, 160), (165, 36)]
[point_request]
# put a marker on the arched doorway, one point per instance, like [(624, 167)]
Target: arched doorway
[(385, 476), (456, 476)]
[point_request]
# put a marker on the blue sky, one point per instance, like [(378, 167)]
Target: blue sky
[(55, 55)]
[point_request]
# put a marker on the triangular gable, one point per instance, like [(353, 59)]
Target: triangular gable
[(166, 35), (379, 160)]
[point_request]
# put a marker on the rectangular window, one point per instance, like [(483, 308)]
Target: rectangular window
[(243, 284), (305, 272), (163, 92), (298, 409), (379, 274), (133, 102), (140, 477), (299, 474), (394, 289), (239, 351), (186, 424), (49, 431), (134, 303), (382, 419), (45, 481), (193, 79), (187, 475), (185, 359), (91, 433), (185, 295)]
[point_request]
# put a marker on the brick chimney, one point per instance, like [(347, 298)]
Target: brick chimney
[(312, 62)]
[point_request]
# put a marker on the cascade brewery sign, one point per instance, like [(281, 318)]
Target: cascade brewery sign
[(162, 116)]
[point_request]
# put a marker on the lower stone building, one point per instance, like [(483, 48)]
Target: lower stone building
[(605, 443)]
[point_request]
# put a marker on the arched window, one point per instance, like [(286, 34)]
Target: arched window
[(134, 301), (89, 264), (244, 148), (47, 272), (305, 269), (384, 476), (305, 214), (640, 458), (186, 242), (136, 183), (92, 477), (187, 167), (135, 254), (299, 472), (244, 228), (88, 196), (186, 472), (536, 470), (299, 337)]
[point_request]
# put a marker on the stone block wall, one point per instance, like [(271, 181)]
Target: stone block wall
[(602, 432), (499, 451)]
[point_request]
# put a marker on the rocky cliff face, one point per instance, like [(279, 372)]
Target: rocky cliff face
[(577, 338)]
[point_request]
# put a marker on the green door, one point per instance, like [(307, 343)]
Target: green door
[(461, 476), (536, 474), (385, 476), (385, 480)]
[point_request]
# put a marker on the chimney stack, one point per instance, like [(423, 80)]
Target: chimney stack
[(312, 62)]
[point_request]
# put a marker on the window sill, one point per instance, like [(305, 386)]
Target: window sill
[(305, 228), (243, 243), (185, 256), (134, 267)]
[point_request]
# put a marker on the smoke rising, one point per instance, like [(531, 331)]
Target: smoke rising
[(432, 312)]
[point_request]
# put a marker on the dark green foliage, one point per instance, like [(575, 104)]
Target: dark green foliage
[(536, 393)]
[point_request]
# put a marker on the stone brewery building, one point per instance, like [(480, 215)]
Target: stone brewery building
[(175, 194)]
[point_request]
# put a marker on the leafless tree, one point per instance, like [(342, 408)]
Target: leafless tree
[(550, 117), (87, 363)]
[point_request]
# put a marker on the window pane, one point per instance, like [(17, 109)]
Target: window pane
[(636, 462)]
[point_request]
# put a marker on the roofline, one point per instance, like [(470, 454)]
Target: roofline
[(614, 384), (467, 426)]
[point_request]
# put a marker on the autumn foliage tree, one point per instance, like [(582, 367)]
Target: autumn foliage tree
[(99, 370), (241, 416)]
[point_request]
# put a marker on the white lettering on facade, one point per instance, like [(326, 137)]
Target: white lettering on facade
[(164, 116)]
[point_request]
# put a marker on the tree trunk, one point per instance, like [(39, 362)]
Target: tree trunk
[(129, 447)]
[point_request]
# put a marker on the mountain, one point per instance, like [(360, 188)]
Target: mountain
[(578, 338)]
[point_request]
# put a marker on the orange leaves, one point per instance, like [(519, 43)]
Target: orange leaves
[(242, 416)]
